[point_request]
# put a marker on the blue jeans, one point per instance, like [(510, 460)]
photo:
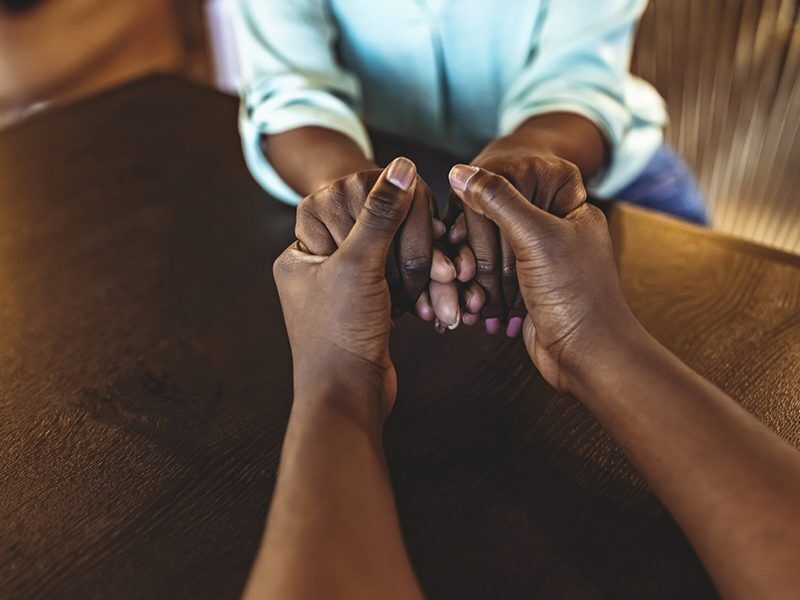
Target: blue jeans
[(667, 185)]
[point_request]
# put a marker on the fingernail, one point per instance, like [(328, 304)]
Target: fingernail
[(453, 269), (439, 228), (493, 325), (457, 322), (460, 176), (424, 308), (401, 173), (469, 319), (457, 262), (473, 303), (514, 327)]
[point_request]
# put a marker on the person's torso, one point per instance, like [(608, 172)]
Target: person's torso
[(436, 70)]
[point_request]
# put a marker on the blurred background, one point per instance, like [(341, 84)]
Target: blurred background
[(728, 70)]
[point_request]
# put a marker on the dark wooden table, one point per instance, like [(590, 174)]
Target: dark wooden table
[(145, 380)]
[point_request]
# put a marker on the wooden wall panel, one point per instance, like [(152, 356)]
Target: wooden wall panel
[(728, 70)]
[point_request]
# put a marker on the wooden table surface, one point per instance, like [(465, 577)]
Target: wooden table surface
[(145, 380)]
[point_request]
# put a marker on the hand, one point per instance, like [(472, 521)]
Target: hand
[(325, 218), (566, 272), (549, 182), (338, 308)]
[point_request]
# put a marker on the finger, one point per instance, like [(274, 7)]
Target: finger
[(439, 229), (442, 268), (310, 229), (509, 273), (514, 327), (493, 325), (423, 307), (458, 233), (444, 299), (465, 264), (293, 259), (474, 298), (415, 243), (492, 195), (470, 319), (387, 205), (484, 240), (569, 193)]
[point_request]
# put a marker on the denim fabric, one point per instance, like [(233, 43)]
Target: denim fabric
[(667, 185)]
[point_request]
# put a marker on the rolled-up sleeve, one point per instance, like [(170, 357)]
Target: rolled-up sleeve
[(291, 79), (581, 65)]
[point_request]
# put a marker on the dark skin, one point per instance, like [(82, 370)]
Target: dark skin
[(547, 158), (344, 387), (335, 185), (710, 462)]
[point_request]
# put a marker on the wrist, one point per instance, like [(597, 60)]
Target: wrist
[(568, 136), (357, 392), (308, 158), (606, 356)]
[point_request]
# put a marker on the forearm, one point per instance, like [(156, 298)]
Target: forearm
[(309, 158), (732, 484), (566, 135), (332, 529)]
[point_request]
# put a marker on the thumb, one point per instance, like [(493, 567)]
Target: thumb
[(494, 196), (384, 210)]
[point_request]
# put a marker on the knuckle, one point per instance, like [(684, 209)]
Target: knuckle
[(307, 206), (594, 215), (415, 266), (382, 207), (572, 171), (541, 164), (347, 186), (280, 268), (494, 189), (485, 266), (301, 220), (515, 177), (581, 195)]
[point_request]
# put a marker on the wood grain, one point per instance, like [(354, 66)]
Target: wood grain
[(145, 380)]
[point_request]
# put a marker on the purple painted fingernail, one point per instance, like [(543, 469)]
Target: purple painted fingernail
[(514, 327), (425, 312), (493, 325)]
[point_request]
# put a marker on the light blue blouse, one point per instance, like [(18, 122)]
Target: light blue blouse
[(452, 73)]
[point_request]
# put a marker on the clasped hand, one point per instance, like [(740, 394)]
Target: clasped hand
[(336, 293)]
